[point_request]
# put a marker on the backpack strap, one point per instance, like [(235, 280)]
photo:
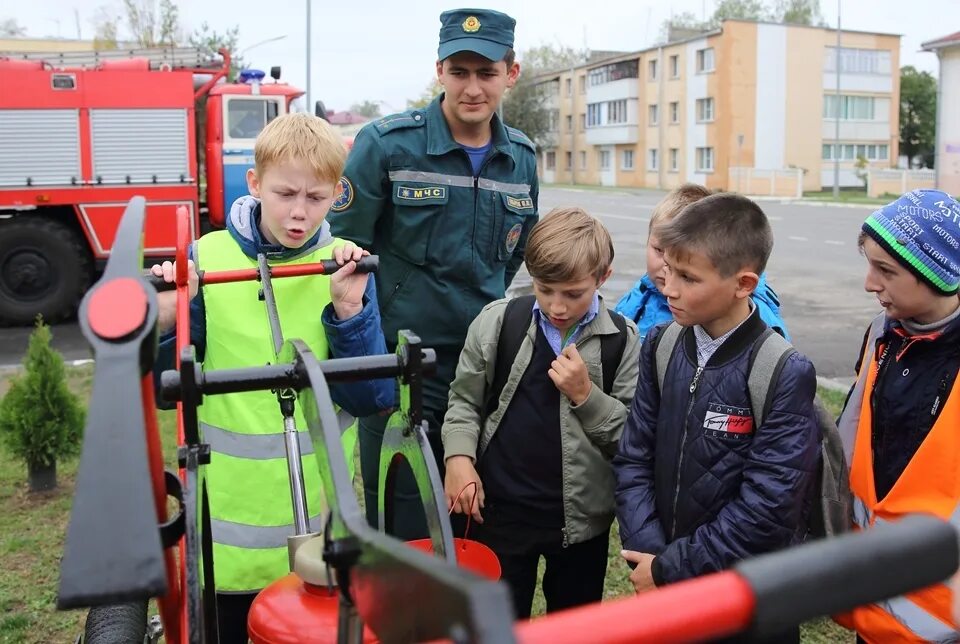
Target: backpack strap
[(767, 357), (517, 315), (611, 350), (665, 343)]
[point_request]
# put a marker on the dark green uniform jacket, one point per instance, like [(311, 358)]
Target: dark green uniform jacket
[(449, 242)]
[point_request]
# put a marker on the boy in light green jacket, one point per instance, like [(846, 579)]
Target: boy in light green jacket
[(541, 393)]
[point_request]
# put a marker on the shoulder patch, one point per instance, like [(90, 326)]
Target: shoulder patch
[(345, 196), (415, 118), (517, 136)]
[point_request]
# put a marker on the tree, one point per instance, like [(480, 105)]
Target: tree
[(10, 28), (798, 12), (739, 10), (548, 58), (153, 24), (212, 40), (918, 114), (41, 421), (370, 109), (525, 105), (428, 94)]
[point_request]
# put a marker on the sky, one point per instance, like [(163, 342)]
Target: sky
[(382, 50)]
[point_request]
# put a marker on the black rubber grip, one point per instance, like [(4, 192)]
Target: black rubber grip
[(368, 264), (834, 575)]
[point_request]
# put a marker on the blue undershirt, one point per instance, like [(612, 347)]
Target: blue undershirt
[(477, 155)]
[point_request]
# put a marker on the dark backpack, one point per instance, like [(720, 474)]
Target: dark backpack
[(830, 507), (517, 316)]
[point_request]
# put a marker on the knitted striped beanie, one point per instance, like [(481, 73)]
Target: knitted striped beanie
[(921, 230)]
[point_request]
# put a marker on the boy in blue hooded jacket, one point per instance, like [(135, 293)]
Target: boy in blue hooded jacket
[(645, 303)]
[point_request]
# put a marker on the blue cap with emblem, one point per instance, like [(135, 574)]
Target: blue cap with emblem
[(483, 31)]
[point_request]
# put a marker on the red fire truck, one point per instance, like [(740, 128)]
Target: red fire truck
[(83, 132)]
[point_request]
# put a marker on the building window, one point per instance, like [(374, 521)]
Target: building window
[(653, 114), (583, 121), (704, 110), (582, 83), (853, 151), (617, 111), (675, 67), (705, 60), (674, 159), (583, 160), (604, 157), (626, 163), (551, 161), (652, 70), (675, 112), (569, 122), (858, 61), (593, 114), (653, 160), (569, 156), (614, 72), (569, 87), (852, 108), (554, 120), (704, 159)]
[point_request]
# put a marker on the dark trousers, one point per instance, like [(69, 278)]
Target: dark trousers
[(232, 610), (573, 575), (410, 521)]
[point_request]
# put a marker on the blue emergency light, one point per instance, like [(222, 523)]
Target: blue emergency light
[(249, 76)]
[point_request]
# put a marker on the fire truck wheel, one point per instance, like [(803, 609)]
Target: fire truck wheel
[(117, 623), (45, 268)]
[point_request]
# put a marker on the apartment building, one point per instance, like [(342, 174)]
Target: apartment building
[(749, 103)]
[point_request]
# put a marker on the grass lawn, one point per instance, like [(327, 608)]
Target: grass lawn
[(33, 528), (849, 196)]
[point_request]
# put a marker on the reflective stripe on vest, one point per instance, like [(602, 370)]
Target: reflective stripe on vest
[(930, 484), (261, 446), (228, 533), (247, 478)]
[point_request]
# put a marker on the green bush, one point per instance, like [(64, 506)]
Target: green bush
[(41, 420)]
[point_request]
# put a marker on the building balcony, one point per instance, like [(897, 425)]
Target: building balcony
[(617, 90), (612, 134)]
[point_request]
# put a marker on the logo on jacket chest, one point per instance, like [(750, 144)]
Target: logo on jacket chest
[(730, 423), (409, 193)]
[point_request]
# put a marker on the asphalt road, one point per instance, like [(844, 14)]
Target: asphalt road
[(816, 269)]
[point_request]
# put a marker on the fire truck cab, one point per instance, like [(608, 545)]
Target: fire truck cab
[(83, 132)]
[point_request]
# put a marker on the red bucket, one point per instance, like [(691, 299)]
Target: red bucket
[(472, 555)]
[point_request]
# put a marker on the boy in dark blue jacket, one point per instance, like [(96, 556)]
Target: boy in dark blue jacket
[(698, 486)]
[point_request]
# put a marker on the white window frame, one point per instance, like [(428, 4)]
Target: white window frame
[(653, 69), (705, 110), (706, 60), (653, 114), (653, 160), (675, 66), (705, 160), (675, 112), (674, 160), (626, 160)]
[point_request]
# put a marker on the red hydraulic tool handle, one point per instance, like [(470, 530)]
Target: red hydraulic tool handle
[(182, 281), (767, 595)]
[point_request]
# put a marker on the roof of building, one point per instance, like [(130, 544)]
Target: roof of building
[(953, 40)]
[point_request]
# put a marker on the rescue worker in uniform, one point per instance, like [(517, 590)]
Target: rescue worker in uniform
[(446, 195), (899, 426)]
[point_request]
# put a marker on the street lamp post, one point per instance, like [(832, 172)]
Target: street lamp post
[(836, 116), (262, 42), (309, 25)]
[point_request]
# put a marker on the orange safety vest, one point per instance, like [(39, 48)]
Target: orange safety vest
[(930, 484)]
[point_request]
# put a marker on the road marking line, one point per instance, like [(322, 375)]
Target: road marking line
[(798, 238), (833, 242), (624, 217)]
